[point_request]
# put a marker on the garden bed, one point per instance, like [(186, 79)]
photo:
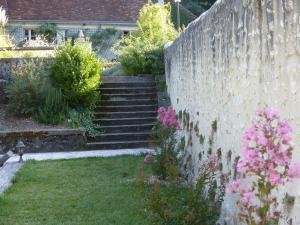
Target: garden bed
[(77, 192), (8, 123)]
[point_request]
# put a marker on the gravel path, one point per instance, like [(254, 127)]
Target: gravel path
[(11, 167)]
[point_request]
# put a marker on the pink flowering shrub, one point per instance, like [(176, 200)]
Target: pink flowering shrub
[(168, 117), (165, 163), (267, 163)]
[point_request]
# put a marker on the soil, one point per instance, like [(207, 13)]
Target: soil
[(8, 123)]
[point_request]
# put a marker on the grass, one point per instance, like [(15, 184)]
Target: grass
[(75, 192)]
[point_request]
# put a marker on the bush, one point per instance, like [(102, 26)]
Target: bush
[(24, 92), (76, 71), (142, 52), (165, 163), (142, 58), (31, 94), (83, 119), (54, 109), (182, 203), (115, 70), (170, 197), (48, 30)]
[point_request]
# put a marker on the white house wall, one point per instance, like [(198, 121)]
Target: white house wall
[(16, 29)]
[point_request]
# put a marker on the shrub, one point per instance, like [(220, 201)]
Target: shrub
[(31, 94), (165, 163), (116, 70), (266, 162), (24, 92), (180, 203), (48, 31), (101, 38), (83, 119), (142, 58), (142, 52), (54, 110), (76, 71), (170, 197)]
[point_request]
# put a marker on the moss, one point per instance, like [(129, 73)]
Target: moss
[(236, 160), (200, 156), (214, 126), (221, 167), (289, 200), (191, 126), (201, 139), (209, 152), (190, 141), (180, 115), (184, 117), (196, 129), (229, 154), (219, 153), (182, 144), (210, 141)]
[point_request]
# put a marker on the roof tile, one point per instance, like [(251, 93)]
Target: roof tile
[(75, 10)]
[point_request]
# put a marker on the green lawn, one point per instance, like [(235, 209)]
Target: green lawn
[(96, 191)]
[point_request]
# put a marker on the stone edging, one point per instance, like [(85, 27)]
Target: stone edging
[(46, 140)]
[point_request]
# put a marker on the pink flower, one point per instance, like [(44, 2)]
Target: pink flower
[(168, 117), (262, 141), (271, 113), (267, 155), (237, 186), (294, 171), (247, 197), (275, 178), (148, 159)]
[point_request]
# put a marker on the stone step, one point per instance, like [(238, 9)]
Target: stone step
[(125, 79), (128, 102), (126, 128), (113, 115), (133, 136), (128, 96), (128, 84), (126, 108), (135, 90), (125, 121), (118, 145)]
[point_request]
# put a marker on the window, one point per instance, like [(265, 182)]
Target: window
[(125, 33), (30, 34)]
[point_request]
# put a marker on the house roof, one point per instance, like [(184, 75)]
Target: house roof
[(74, 10)]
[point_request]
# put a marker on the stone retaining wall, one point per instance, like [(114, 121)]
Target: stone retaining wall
[(236, 57), (54, 140)]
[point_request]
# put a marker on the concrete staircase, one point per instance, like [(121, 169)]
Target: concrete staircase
[(126, 113)]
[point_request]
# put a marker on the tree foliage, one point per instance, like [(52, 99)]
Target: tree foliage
[(142, 51)]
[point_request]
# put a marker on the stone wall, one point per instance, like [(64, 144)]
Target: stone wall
[(55, 140), (236, 57)]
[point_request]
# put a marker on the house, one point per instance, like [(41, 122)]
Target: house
[(70, 16)]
